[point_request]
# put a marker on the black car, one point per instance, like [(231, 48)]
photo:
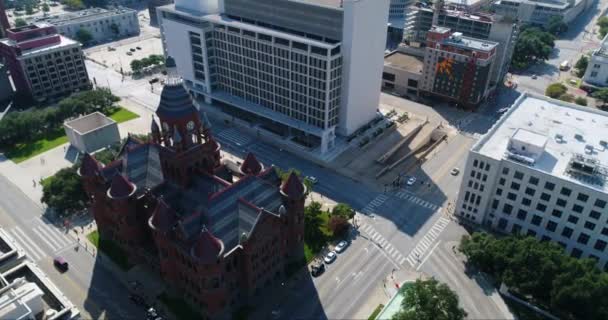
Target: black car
[(317, 269)]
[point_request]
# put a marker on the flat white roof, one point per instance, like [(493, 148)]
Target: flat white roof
[(568, 129), (64, 42)]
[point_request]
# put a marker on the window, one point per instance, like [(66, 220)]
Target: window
[(526, 202), (475, 162), (594, 214), (583, 238), (536, 220), (521, 215), (495, 204), (600, 203), (556, 213), (567, 232), (498, 191), (388, 76), (515, 186), (549, 186), (605, 231), (502, 181), (533, 181), (600, 245), (576, 253), (593, 74), (566, 192), (551, 226), (572, 219), (545, 196), (502, 223), (505, 170), (541, 207), (516, 228), (561, 203), (582, 197), (518, 175), (507, 209), (530, 191), (589, 225), (511, 196), (531, 233), (576, 208)]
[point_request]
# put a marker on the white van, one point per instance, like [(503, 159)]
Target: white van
[(564, 66)]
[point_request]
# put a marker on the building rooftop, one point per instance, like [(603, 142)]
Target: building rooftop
[(89, 122), (82, 15), (325, 3), (458, 40), (404, 61), (558, 138), (603, 49), (545, 3), (9, 252)]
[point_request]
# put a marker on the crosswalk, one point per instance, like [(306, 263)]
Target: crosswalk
[(234, 136), (412, 198), (376, 237), (378, 201), (425, 243), (42, 236)]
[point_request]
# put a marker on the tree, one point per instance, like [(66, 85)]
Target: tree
[(45, 7), (64, 192), (603, 24), (601, 94), (556, 25), (581, 65), (84, 36), (533, 44), (74, 4), (338, 225), (313, 236), (19, 22), (136, 66), (29, 9), (555, 90), (429, 300), (566, 97), (580, 101), (343, 210)]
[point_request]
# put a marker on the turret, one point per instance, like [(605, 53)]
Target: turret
[(251, 165)]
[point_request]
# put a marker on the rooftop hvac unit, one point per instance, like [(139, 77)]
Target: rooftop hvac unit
[(578, 137), (589, 149), (559, 138), (603, 143)]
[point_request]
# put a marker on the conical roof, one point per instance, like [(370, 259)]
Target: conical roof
[(251, 165), (121, 187), (293, 187), (90, 166), (163, 218), (175, 102), (207, 247), (154, 126)]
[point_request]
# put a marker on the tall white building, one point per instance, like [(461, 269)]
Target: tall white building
[(542, 170), (597, 68), (305, 70)]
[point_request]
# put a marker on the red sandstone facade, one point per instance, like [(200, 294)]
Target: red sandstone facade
[(171, 204)]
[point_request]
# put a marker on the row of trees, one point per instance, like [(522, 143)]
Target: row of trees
[(573, 288), (31, 125), (316, 220), (429, 300), (153, 60), (603, 24)]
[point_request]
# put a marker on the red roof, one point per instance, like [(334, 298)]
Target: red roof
[(121, 187), (90, 166), (164, 217), (207, 247), (251, 165), (293, 187)]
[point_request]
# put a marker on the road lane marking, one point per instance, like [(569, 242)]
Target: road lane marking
[(428, 255), (32, 245), (50, 242), (61, 238)]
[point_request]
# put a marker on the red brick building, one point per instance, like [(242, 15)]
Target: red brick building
[(215, 236)]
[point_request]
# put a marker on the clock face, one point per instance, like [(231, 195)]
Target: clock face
[(165, 126), (190, 125)]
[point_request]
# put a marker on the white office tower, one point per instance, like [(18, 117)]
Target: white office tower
[(542, 170), (304, 70)]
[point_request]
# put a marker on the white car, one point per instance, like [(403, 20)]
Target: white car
[(534, 76), (341, 246), (455, 171), (330, 257), (312, 179), (411, 181)]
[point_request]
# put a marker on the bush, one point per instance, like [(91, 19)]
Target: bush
[(580, 101), (603, 24), (338, 226), (64, 192), (19, 22), (581, 66), (555, 90), (566, 97)]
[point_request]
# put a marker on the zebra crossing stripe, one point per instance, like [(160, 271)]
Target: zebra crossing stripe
[(48, 240), (34, 249)]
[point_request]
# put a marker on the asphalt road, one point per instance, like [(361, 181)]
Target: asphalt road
[(88, 284)]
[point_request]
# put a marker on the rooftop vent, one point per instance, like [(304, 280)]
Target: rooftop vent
[(579, 137), (589, 149), (603, 143), (587, 169), (559, 138)]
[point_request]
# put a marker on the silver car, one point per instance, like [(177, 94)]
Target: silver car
[(330, 257), (341, 246)]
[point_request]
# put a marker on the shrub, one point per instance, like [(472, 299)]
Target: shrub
[(555, 90)]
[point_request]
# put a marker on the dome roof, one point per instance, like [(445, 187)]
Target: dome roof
[(207, 247), (293, 187), (251, 165), (175, 102), (89, 167), (121, 187), (163, 218)]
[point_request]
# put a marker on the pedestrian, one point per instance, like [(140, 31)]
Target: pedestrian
[(34, 181)]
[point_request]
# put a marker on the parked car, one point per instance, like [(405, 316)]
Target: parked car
[(138, 48), (411, 181), (534, 76), (330, 257), (61, 264), (455, 171), (129, 53), (342, 245), (132, 49), (317, 269)]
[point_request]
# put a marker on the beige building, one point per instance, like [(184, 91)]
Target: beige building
[(92, 132), (401, 74)]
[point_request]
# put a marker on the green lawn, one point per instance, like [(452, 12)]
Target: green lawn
[(24, 151), (376, 312), (179, 307), (121, 114), (111, 249)]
